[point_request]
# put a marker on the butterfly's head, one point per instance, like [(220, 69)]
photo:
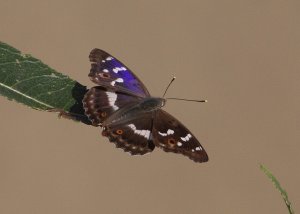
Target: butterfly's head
[(162, 101)]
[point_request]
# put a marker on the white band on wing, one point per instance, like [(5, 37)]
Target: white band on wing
[(144, 133), (112, 97)]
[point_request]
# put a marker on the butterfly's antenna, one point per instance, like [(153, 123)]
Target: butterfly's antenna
[(200, 101), (174, 98), (169, 86)]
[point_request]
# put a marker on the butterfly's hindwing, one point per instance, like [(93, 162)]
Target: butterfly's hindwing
[(170, 135), (109, 72), (134, 136), (100, 103)]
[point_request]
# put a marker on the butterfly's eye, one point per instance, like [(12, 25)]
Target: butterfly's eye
[(104, 75), (171, 141), (119, 131)]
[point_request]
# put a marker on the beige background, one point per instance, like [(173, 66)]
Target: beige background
[(243, 56)]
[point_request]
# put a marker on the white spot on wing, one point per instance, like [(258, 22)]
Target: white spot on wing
[(144, 133), (179, 144), (105, 70), (198, 148), (162, 134), (117, 80), (169, 132), (112, 97), (109, 58), (186, 138), (117, 69)]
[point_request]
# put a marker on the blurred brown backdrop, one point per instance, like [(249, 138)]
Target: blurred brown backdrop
[(243, 56)]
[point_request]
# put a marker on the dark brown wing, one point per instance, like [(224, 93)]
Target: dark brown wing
[(100, 103), (109, 72), (170, 135), (134, 136)]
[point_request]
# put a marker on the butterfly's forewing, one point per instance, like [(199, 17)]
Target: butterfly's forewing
[(100, 103), (170, 135), (109, 72), (133, 136)]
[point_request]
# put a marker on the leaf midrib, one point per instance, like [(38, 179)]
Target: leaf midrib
[(28, 97)]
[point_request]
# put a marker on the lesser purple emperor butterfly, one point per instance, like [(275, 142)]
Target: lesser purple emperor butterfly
[(129, 116)]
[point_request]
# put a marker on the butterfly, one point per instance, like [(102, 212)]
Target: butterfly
[(129, 116)]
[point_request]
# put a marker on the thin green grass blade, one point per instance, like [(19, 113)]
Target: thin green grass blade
[(278, 186)]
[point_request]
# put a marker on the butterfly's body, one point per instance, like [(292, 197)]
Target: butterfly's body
[(130, 117), (129, 112), (152, 103)]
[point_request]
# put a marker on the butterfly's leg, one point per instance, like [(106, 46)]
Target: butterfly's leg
[(71, 115)]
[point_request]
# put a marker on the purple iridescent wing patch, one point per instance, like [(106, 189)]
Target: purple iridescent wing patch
[(109, 72)]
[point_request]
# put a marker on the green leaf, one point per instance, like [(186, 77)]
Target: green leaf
[(29, 81), (277, 185)]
